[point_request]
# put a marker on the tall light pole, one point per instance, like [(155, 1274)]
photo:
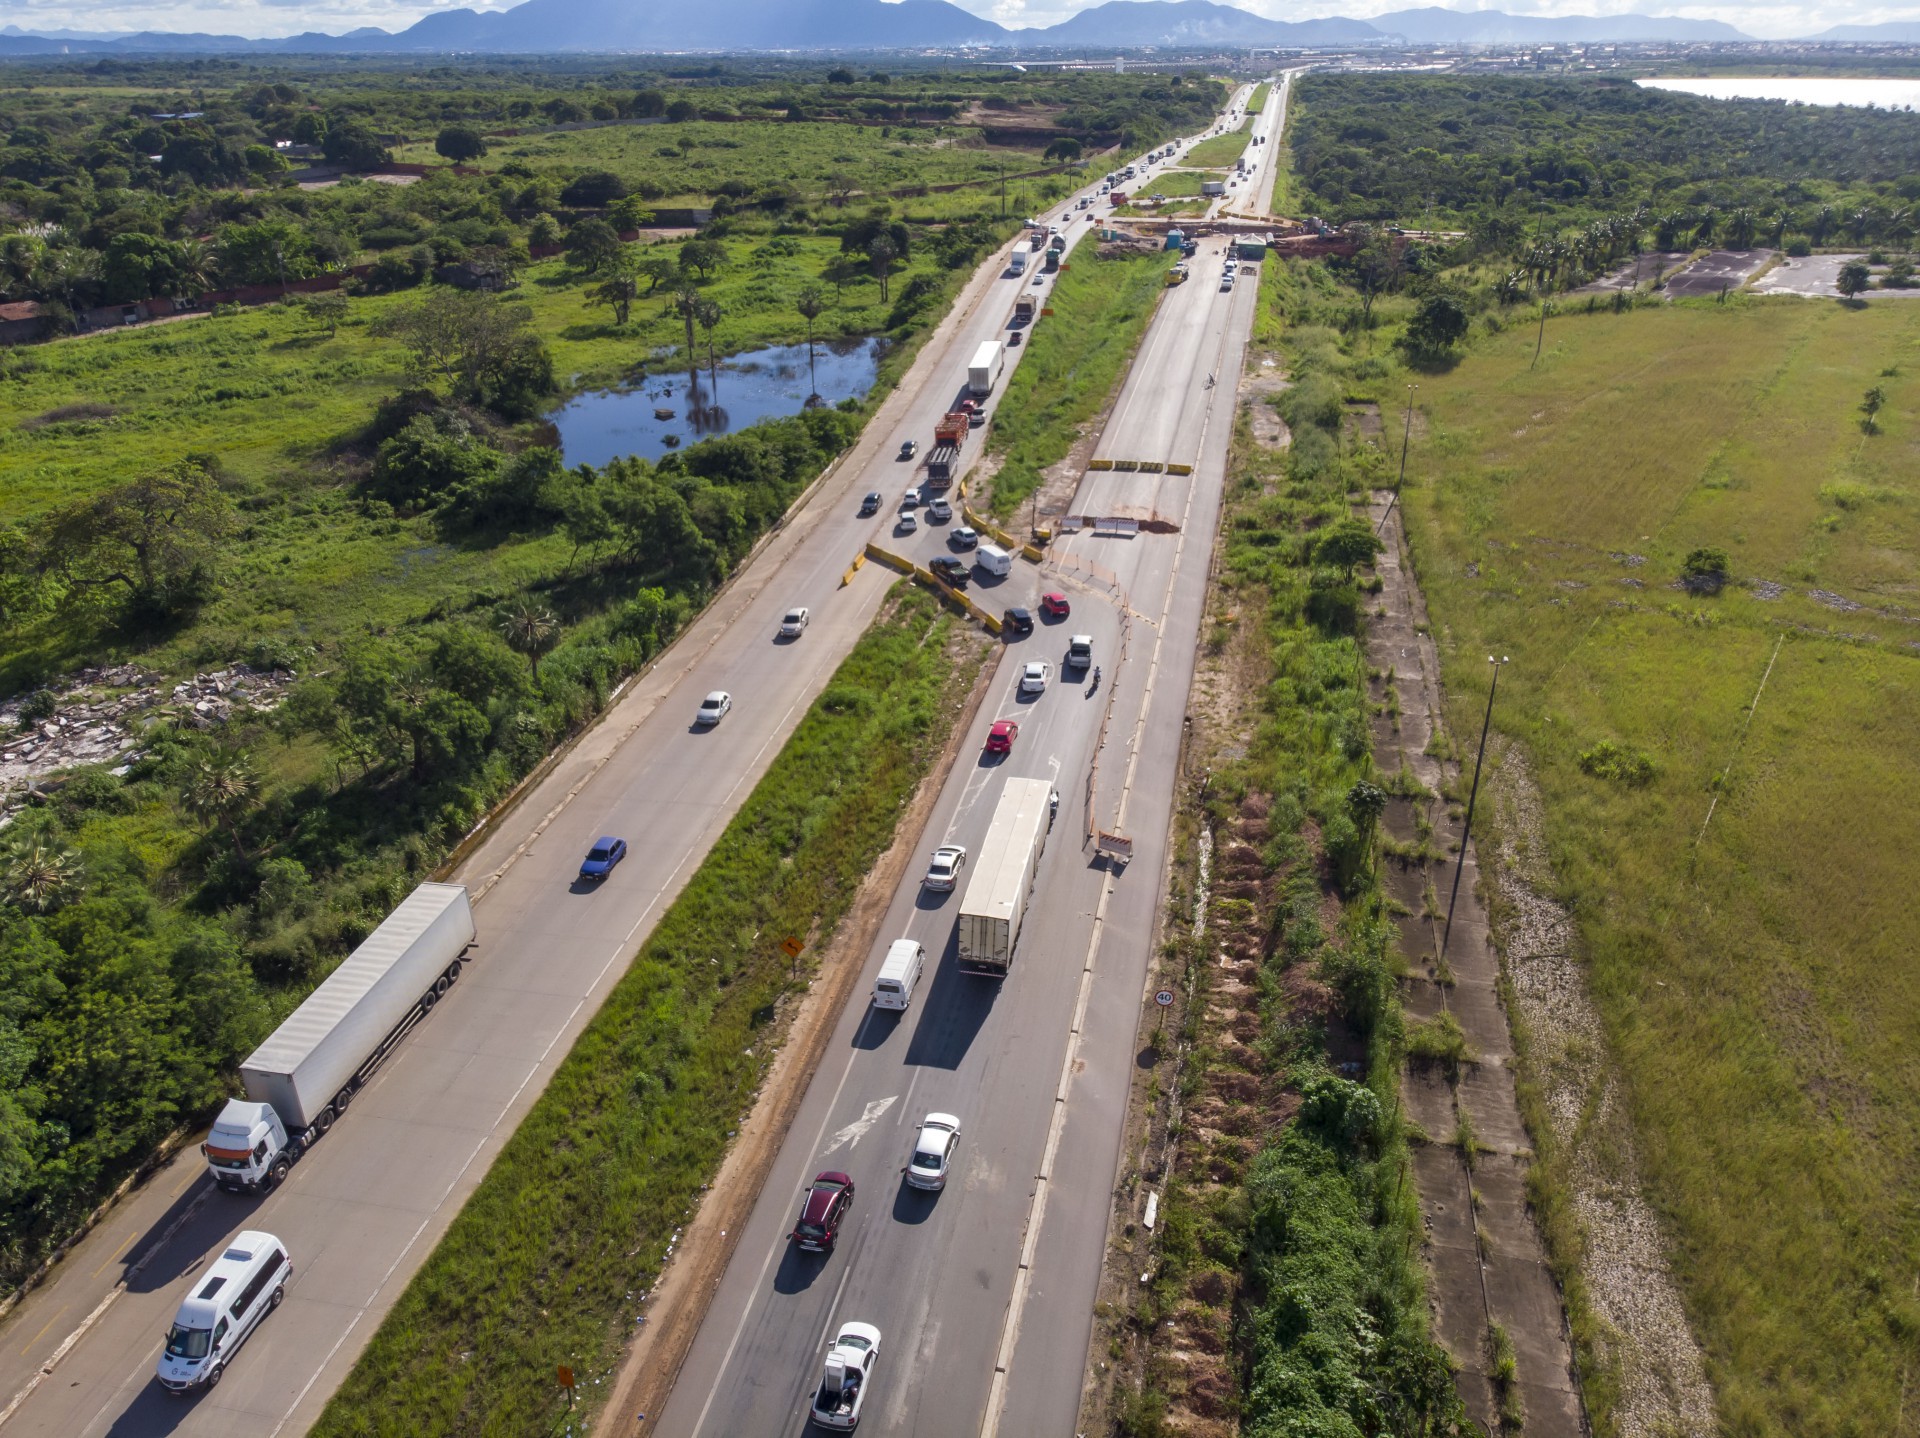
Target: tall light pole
[(1406, 433), (1466, 832)]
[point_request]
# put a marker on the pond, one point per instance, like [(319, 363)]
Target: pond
[(666, 411), (1804, 90)]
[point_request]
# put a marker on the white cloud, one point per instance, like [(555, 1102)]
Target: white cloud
[(1765, 18)]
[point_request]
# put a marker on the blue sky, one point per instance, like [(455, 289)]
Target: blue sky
[(286, 17)]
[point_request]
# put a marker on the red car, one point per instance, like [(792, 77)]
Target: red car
[(1001, 736), (825, 1206), (1055, 606)]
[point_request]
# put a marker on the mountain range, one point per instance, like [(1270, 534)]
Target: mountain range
[(658, 26)]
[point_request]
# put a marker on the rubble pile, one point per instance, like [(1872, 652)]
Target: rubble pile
[(99, 715)]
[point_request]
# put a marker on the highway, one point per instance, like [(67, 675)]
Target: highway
[(360, 1214), (984, 1292)]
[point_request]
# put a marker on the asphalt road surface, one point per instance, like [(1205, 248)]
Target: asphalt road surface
[(983, 1293), (362, 1211)]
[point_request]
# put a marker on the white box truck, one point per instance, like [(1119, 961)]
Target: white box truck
[(984, 372), (1019, 262), (996, 898), (306, 1073)]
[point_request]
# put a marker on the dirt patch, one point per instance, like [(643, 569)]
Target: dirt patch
[(677, 1306), (1644, 1334), (1258, 393), (69, 413)]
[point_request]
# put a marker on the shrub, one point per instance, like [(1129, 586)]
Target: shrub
[(1704, 570), (1618, 764)]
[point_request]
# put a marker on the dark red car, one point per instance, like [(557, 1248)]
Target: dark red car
[(1055, 606), (825, 1206), (1001, 736)]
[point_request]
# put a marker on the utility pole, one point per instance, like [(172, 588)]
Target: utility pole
[(1406, 433), (1466, 832), (1542, 338)]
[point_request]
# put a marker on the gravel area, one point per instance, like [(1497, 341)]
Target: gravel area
[(1630, 1286)]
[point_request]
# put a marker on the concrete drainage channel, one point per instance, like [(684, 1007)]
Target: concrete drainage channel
[(1496, 1306)]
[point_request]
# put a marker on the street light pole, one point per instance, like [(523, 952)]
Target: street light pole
[(1466, 832), (1406, 433)]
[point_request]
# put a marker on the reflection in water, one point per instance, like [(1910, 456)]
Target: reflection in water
[(663, 411)]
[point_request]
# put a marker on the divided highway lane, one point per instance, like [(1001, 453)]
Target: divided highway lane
[(983, 1293), (360, 1214)]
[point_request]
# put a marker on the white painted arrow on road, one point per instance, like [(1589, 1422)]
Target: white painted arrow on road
[(851, 1135)]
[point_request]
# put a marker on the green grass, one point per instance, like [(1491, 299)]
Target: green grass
[(1074, 359), (274, 400), (691, 161), (544, 1263), (1258, 102), (1760, 988), (1220, 150), (1176, 184)]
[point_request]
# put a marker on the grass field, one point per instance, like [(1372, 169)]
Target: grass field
[(1074, 358), (1220, 150), (544, 1263), (1178, 184), (274, 399), (691, 161), (1759, 981), (1258, 100)]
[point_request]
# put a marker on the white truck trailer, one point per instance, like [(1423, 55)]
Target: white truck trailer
[(996, 898), (988, 361), (307, 1072)]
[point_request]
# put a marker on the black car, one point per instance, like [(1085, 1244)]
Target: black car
[(949, 571), (871, 504), (1017, 621)]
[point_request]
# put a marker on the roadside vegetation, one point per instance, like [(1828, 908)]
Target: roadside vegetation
[(1676, 504), (344, 508), (1284, 1294), (1076, 357), (1555, 181), (1220, 150), (550, 1260), (1258, 101)]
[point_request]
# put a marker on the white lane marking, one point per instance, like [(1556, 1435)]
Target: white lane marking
[(906, 1101), (827, 1332), (760, 1281), (851, 1135), (66, 1345)]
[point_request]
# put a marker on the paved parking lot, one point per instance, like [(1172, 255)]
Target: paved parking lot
[(1718, 271), (1816, 277)]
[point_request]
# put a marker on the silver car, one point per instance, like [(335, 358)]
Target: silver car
[(713, 708), (944, 872), (933, 1152)]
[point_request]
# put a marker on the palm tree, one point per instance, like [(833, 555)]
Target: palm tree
[(1899, 226), (708, 312), (1703, 230), (218, 790), (39, 878), (530, 630), (1859, 222), (1822, 224), (687, 300), (810, 302), (1666, 232), (1740, 229), (1777, 227)]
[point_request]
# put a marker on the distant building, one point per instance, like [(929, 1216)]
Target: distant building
[(23, 322)]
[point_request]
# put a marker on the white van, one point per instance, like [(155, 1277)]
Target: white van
[(899, 975), (245, 1284), (995, 560)]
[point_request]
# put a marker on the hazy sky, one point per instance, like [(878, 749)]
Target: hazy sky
[(285, 17)]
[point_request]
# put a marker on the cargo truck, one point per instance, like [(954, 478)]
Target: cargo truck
[(1003, 873), (948, 435), (984, 372), (1019, 262), (1052, 262), (1024, 310), (307, 1072)]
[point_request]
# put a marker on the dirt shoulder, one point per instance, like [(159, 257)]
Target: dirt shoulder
[(677, 1306)]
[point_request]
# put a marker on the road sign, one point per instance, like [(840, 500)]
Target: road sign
[(1163, 998), (566, 1376), (791, 946)]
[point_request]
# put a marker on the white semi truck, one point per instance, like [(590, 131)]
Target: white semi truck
[(988, 361), (307, 1072), (1003, 874)]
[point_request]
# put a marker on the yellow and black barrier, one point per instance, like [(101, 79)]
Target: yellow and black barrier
[(852, 569), (888, 558), (1173, 468), (1099, 464)]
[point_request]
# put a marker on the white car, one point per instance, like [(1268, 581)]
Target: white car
[(944, 872), (843, 1386), (1033, 678), (907, 523), (965, 537), (794, 625), (713, 708), (933, 1151)]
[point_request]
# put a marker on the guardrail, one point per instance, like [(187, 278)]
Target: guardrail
[(931, 581)]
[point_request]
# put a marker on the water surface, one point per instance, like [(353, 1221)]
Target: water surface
[(605, 424), (1803, 90)]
